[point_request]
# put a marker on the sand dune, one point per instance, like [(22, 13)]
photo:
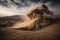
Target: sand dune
[(52, 32)]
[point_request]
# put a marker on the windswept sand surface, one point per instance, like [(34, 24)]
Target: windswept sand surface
[(51, 32)]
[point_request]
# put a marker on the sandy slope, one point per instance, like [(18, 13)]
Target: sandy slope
[(52, 32)]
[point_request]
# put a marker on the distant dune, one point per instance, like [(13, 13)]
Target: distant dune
[(10, 20)]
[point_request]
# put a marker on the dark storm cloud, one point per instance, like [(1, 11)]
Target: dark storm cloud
[(54, 1), (25, 2), (4, 3)]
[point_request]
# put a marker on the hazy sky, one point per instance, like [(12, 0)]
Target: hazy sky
[(21, 7)]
